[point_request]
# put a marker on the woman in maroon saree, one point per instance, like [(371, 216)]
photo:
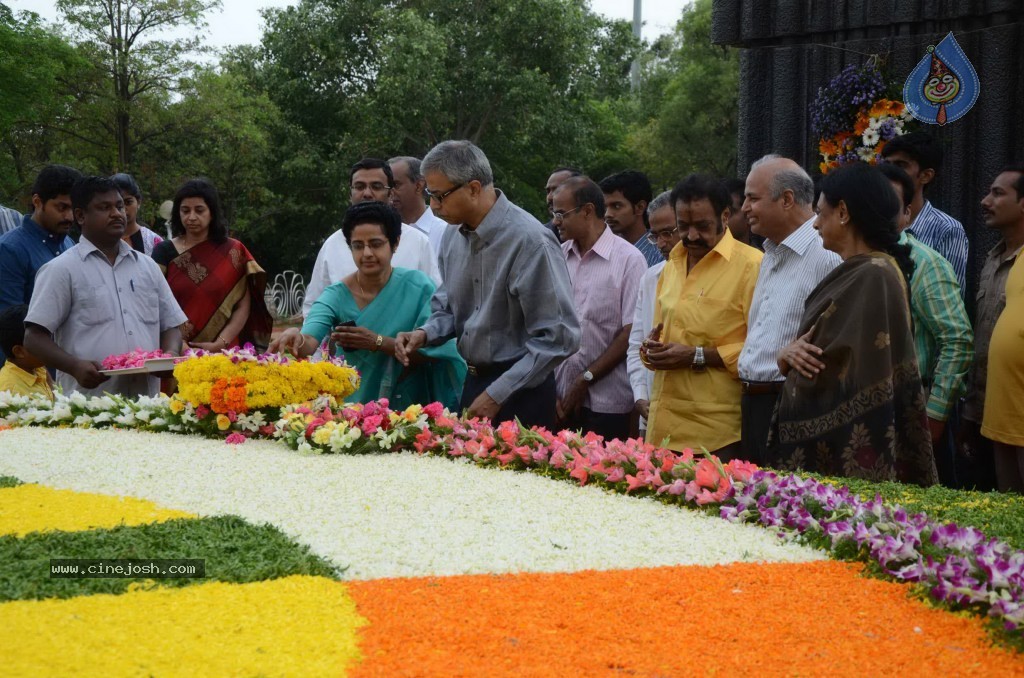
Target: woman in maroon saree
[(214, 278)]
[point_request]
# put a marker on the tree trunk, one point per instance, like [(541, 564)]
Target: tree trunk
[(124, 146)]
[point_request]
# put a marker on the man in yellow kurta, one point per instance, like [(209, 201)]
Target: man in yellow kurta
[(700, 317)]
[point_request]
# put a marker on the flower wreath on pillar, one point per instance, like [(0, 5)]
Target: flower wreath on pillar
[(854, 116)]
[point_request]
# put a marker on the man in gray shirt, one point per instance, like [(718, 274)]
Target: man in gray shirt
[(99, 298), (505, 292)]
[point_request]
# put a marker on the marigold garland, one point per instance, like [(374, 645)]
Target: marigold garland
[(217, 381)]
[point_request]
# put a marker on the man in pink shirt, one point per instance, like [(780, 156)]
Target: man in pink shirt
[(594, 393)]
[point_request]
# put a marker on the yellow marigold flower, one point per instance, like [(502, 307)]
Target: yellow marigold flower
[(223, 423), (177, 406)]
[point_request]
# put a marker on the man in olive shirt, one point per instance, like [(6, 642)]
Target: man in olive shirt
[(505, 292), (1003, 210), (991, 300)]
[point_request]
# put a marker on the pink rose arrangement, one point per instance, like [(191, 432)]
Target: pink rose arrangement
[(630, 466), (132, 359)]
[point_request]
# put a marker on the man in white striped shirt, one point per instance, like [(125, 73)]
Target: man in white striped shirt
[(777, 204), (665, 234)]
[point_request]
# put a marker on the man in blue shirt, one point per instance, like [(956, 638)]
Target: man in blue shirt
[(41, 237), (919, 154)]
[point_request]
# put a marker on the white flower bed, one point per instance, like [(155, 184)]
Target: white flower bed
[(391, 515)]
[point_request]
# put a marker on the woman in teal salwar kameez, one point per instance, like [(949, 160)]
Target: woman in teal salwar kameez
[(363, 312)]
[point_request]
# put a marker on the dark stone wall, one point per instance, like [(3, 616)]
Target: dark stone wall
[(793, 47)]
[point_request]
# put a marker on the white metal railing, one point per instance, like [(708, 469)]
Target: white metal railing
[(285, 295)]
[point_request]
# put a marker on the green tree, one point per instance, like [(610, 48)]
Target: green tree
[(513, 76), (524, 79), (138, 67), (692, 91), (34, 62)]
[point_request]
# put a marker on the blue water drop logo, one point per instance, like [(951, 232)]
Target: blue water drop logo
[(943, 86)]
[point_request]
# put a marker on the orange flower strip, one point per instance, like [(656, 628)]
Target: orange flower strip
[(819, 618)]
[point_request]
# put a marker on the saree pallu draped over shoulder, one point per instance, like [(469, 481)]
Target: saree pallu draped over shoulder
[(208, 281), (863, 416), (401, 306)]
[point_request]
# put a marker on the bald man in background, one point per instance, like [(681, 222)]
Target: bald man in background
[(777, 204)]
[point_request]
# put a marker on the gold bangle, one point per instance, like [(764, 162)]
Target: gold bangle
[(380, 341)]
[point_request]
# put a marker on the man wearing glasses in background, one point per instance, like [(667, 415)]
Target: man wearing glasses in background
[(665, 235), (505, 293), (369, 179), (605, 270), (407, 197)]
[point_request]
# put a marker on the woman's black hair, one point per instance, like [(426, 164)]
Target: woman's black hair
[(200, 188), (873, 207), (373, 212), (126, 184)]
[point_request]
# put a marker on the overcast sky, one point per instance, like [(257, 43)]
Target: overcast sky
[(239, 21)]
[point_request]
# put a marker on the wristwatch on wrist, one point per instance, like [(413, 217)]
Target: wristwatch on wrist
[(699, 363), (588, 376), (377, 344)]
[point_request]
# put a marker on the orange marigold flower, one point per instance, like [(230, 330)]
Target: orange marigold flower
[(884, 107), (229, 395), (828, 147)]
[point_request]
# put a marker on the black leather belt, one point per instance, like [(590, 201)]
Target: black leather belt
[(491, 369), (762, 387)]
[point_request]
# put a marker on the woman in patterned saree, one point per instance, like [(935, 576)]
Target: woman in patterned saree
[(364, 311), (214, 278), (853, 404)]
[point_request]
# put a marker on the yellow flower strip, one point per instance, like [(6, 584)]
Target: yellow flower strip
[(267, 385), (299, 625), (34, 508)]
